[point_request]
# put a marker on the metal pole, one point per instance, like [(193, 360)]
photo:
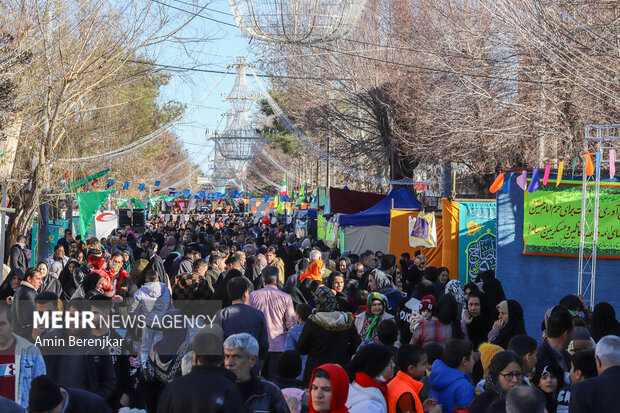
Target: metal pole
[(2, 223)]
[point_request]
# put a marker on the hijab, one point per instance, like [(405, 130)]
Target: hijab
[(455, 288), (90, 282), (313, 271), (514, 327), (604, 321), (382, 280), (494, 291), (478, 329), (448, 314), (6, 290), (374, 318), (324, 299), (339, 381)]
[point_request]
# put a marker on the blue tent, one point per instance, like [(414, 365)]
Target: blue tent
[(379, 214)]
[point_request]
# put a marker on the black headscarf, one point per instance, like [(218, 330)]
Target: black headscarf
[(604, 321), (514, 327), (90, 282), (448, 314), (494, 291), (478, 329), (171, 340), (5, 288)]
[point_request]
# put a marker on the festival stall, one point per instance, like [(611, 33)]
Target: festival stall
[(346, 201), (370, 229)]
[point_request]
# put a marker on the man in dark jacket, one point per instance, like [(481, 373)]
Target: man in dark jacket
[(208, 387), (257, 395), (213, 276), (23, 304), (47, 396), (559, 335), (18, 254), (600, 394), (183, 265)]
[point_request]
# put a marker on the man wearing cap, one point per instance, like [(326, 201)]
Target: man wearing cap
[(47, 397), (208, 387)]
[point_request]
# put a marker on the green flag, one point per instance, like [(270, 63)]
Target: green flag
[(88, 204), (86, 180)]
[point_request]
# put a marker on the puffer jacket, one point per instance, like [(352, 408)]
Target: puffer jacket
[(152, 300), (327, 337), (365, 400), (451, 387), (23, 308)]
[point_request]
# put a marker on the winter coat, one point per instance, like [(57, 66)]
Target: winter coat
[(22, 309), (51, 283), (28, 364), (204, 389), (83, 401), (156, 264), (152, 300), (265, 397), (277, 262), (327, 337), (451, 387), (18, 258), (365, 400)]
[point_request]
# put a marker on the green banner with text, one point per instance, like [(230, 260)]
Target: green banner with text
[(552, 216)]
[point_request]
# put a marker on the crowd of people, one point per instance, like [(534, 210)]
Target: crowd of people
[(300, 328)]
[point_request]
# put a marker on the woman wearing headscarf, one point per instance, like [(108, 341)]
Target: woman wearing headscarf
[(66, 278), (476, 318), (470, 287), (505, 374), (91, 285), (11, 284), (366, 323), (335, 281), (169, 261), (454, 288), (329, 389), (442, 329), (168, 246), (329, 336), (494, 291), (314, 272), (604, 321), (164, 362), (370, 370), (156, 264), (509, 323), (49, 282)]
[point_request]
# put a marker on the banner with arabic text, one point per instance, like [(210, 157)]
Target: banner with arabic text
[(552, 215), (477, 239)]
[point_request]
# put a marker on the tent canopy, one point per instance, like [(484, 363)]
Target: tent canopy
[(345, 201), (380, 213)]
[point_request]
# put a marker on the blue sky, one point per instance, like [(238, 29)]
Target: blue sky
[(216, 47)]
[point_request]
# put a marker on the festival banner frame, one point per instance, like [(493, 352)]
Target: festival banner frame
[(553, 212)]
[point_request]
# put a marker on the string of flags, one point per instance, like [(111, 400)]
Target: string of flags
[(502, 181)]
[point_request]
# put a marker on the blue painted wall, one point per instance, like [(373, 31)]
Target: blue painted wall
[(539, 282)]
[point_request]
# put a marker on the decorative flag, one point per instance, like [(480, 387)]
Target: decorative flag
[(89, 203), (574, 165), (612, 163), (535, 182), (186, 193), (202, 194), (227, 209), (497, 184), (157, 183), (598, 163), (272, 204), (522, 180), (172, 189), (110, 182), (304, 205), (213, 207), (546, 176), (560, 172), (260, 201), (283, 190), (141, 187), (287, 205), (266, 210), (589, 165), (254, 210), (126, 186), (506, 188), (266, 198)]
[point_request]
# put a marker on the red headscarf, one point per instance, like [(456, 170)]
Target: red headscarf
[(313, 271), (340, 388)]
